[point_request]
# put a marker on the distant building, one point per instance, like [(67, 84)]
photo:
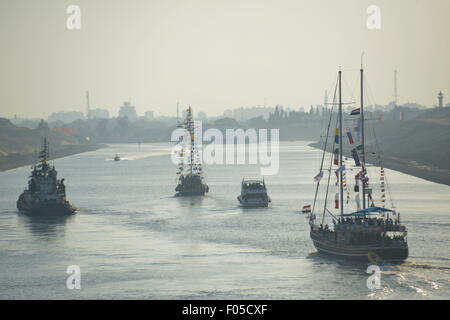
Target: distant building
[(228, 113), (150, 115), (127, 110), (99, 114), (42, 125), (253, 112), (440, 99), (201, 115), (66, 117), (71, 131)]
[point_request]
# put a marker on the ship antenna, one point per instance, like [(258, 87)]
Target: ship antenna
[(88, 106), (362, 135), (340, 145)]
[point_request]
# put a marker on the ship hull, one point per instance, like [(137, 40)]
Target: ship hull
[(191, 186), (253, 203), (187, 191), (360, 252), (47, 209)]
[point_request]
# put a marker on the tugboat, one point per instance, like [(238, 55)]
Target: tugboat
[(370, 233), (253, 194), (117, 158), (45, 194), (190, 181)]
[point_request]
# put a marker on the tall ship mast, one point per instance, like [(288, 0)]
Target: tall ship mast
[(45, 193), (191, 181), (368, 232)]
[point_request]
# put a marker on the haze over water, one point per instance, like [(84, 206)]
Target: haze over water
[(132, 239)]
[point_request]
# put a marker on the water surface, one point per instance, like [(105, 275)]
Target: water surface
[(133, 240)]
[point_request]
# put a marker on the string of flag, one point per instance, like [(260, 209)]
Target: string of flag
[(382, 185)]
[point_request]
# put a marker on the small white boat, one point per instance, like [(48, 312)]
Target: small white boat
[(253, 194)]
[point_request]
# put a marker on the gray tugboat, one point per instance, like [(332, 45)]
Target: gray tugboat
[(253, 194), (190, 181), (369, 232), (45, 195)]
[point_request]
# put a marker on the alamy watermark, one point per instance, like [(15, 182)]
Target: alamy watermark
[(73, 22), (74, 280), (231, 150), (373, 21), (374, 281)]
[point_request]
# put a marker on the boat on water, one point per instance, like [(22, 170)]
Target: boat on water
[(117, 158), (371, 232), (45, 195), (191, 181), (253, 194)]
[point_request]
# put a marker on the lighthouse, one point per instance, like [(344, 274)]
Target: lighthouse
[(440, 99)]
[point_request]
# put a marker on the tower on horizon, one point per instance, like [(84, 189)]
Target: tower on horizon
[(440, 99), (395, 89), (88, 106), (395, 96)]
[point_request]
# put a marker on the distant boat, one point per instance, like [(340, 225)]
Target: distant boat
[(45, 195), (371, 233), (253, 194), (117, 158), (190, 181)]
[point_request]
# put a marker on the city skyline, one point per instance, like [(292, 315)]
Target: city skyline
[(217, 55)]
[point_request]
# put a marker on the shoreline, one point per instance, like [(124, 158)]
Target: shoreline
[(411, 167), (20, 160)]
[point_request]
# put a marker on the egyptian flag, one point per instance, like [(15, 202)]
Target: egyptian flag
[(336, 135), (350, 138), (318, 177), (355, 112), (336, 201), (306, 209)]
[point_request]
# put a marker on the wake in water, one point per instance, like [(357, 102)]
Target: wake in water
[(139, 156)]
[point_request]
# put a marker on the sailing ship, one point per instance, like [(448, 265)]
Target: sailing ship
[(191, 181), (45, 193), (370, 232), (253, 194)]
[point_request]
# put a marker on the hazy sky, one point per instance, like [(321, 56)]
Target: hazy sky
[(216, 54)]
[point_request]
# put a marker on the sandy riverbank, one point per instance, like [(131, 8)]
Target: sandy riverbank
[(409, 166), (18, 160)]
